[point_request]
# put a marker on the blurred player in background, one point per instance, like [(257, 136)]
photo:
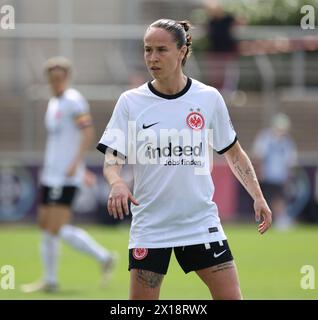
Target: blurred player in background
[(223, 47), (275, 157), (172, 204), (70, 133)]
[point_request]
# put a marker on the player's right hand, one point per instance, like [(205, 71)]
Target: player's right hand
[(118, 200)]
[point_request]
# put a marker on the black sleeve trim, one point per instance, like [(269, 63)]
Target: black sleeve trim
[(228, 147), (102, 148)]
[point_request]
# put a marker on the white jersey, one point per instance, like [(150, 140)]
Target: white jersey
[(278, 155), (63, 139), (175, 204)]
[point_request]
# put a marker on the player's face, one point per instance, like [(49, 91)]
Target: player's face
[(162, 57), (58, 80)]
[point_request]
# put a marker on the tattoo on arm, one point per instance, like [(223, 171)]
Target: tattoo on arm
[(108, 164), (111, 160), (148, 278), (223, 266), (246, 174), (235, 160), (241, 174)]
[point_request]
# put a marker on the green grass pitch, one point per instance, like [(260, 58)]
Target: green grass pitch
[(269, 265)]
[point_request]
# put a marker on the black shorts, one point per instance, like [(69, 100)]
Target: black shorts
[(273, 191), (190, 258), (57, 195)]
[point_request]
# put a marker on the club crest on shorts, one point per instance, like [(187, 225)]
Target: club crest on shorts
[(140, 253), (195, 120)]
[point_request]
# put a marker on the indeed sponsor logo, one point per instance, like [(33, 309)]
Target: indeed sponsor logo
[(163, 146), (169, 151)]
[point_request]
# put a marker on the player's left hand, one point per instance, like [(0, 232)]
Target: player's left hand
[(89, 178), (263, 215)]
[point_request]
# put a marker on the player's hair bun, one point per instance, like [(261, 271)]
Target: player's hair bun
[(185, 25)]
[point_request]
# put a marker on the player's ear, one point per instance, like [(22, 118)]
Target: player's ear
[(182, 52)]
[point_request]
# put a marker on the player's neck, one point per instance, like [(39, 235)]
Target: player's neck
[(171, 85), (59, 93)]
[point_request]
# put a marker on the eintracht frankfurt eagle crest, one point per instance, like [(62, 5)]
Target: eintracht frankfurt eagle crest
[(195, 120)]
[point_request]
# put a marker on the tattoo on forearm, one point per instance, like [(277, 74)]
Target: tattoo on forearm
[(148, 278), (113, 162), (223, 266), (235, 160), (109, 164), (246, 174), (241, 174)]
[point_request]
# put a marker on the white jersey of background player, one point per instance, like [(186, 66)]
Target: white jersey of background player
[(63, 138)]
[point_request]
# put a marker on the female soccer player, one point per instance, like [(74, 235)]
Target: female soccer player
[(156, 126), (70, 133)]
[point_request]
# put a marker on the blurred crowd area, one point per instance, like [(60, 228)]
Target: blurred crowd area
[(270, 67)]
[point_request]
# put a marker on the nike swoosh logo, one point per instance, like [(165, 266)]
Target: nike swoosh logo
[(146, 127), (216, 255)]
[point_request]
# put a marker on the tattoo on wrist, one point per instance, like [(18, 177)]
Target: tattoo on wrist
[(148, 278)]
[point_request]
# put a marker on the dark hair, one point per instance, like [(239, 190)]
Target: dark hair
[(179, 31)]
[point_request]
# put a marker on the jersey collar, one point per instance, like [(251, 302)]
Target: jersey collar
[(170, 96)]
